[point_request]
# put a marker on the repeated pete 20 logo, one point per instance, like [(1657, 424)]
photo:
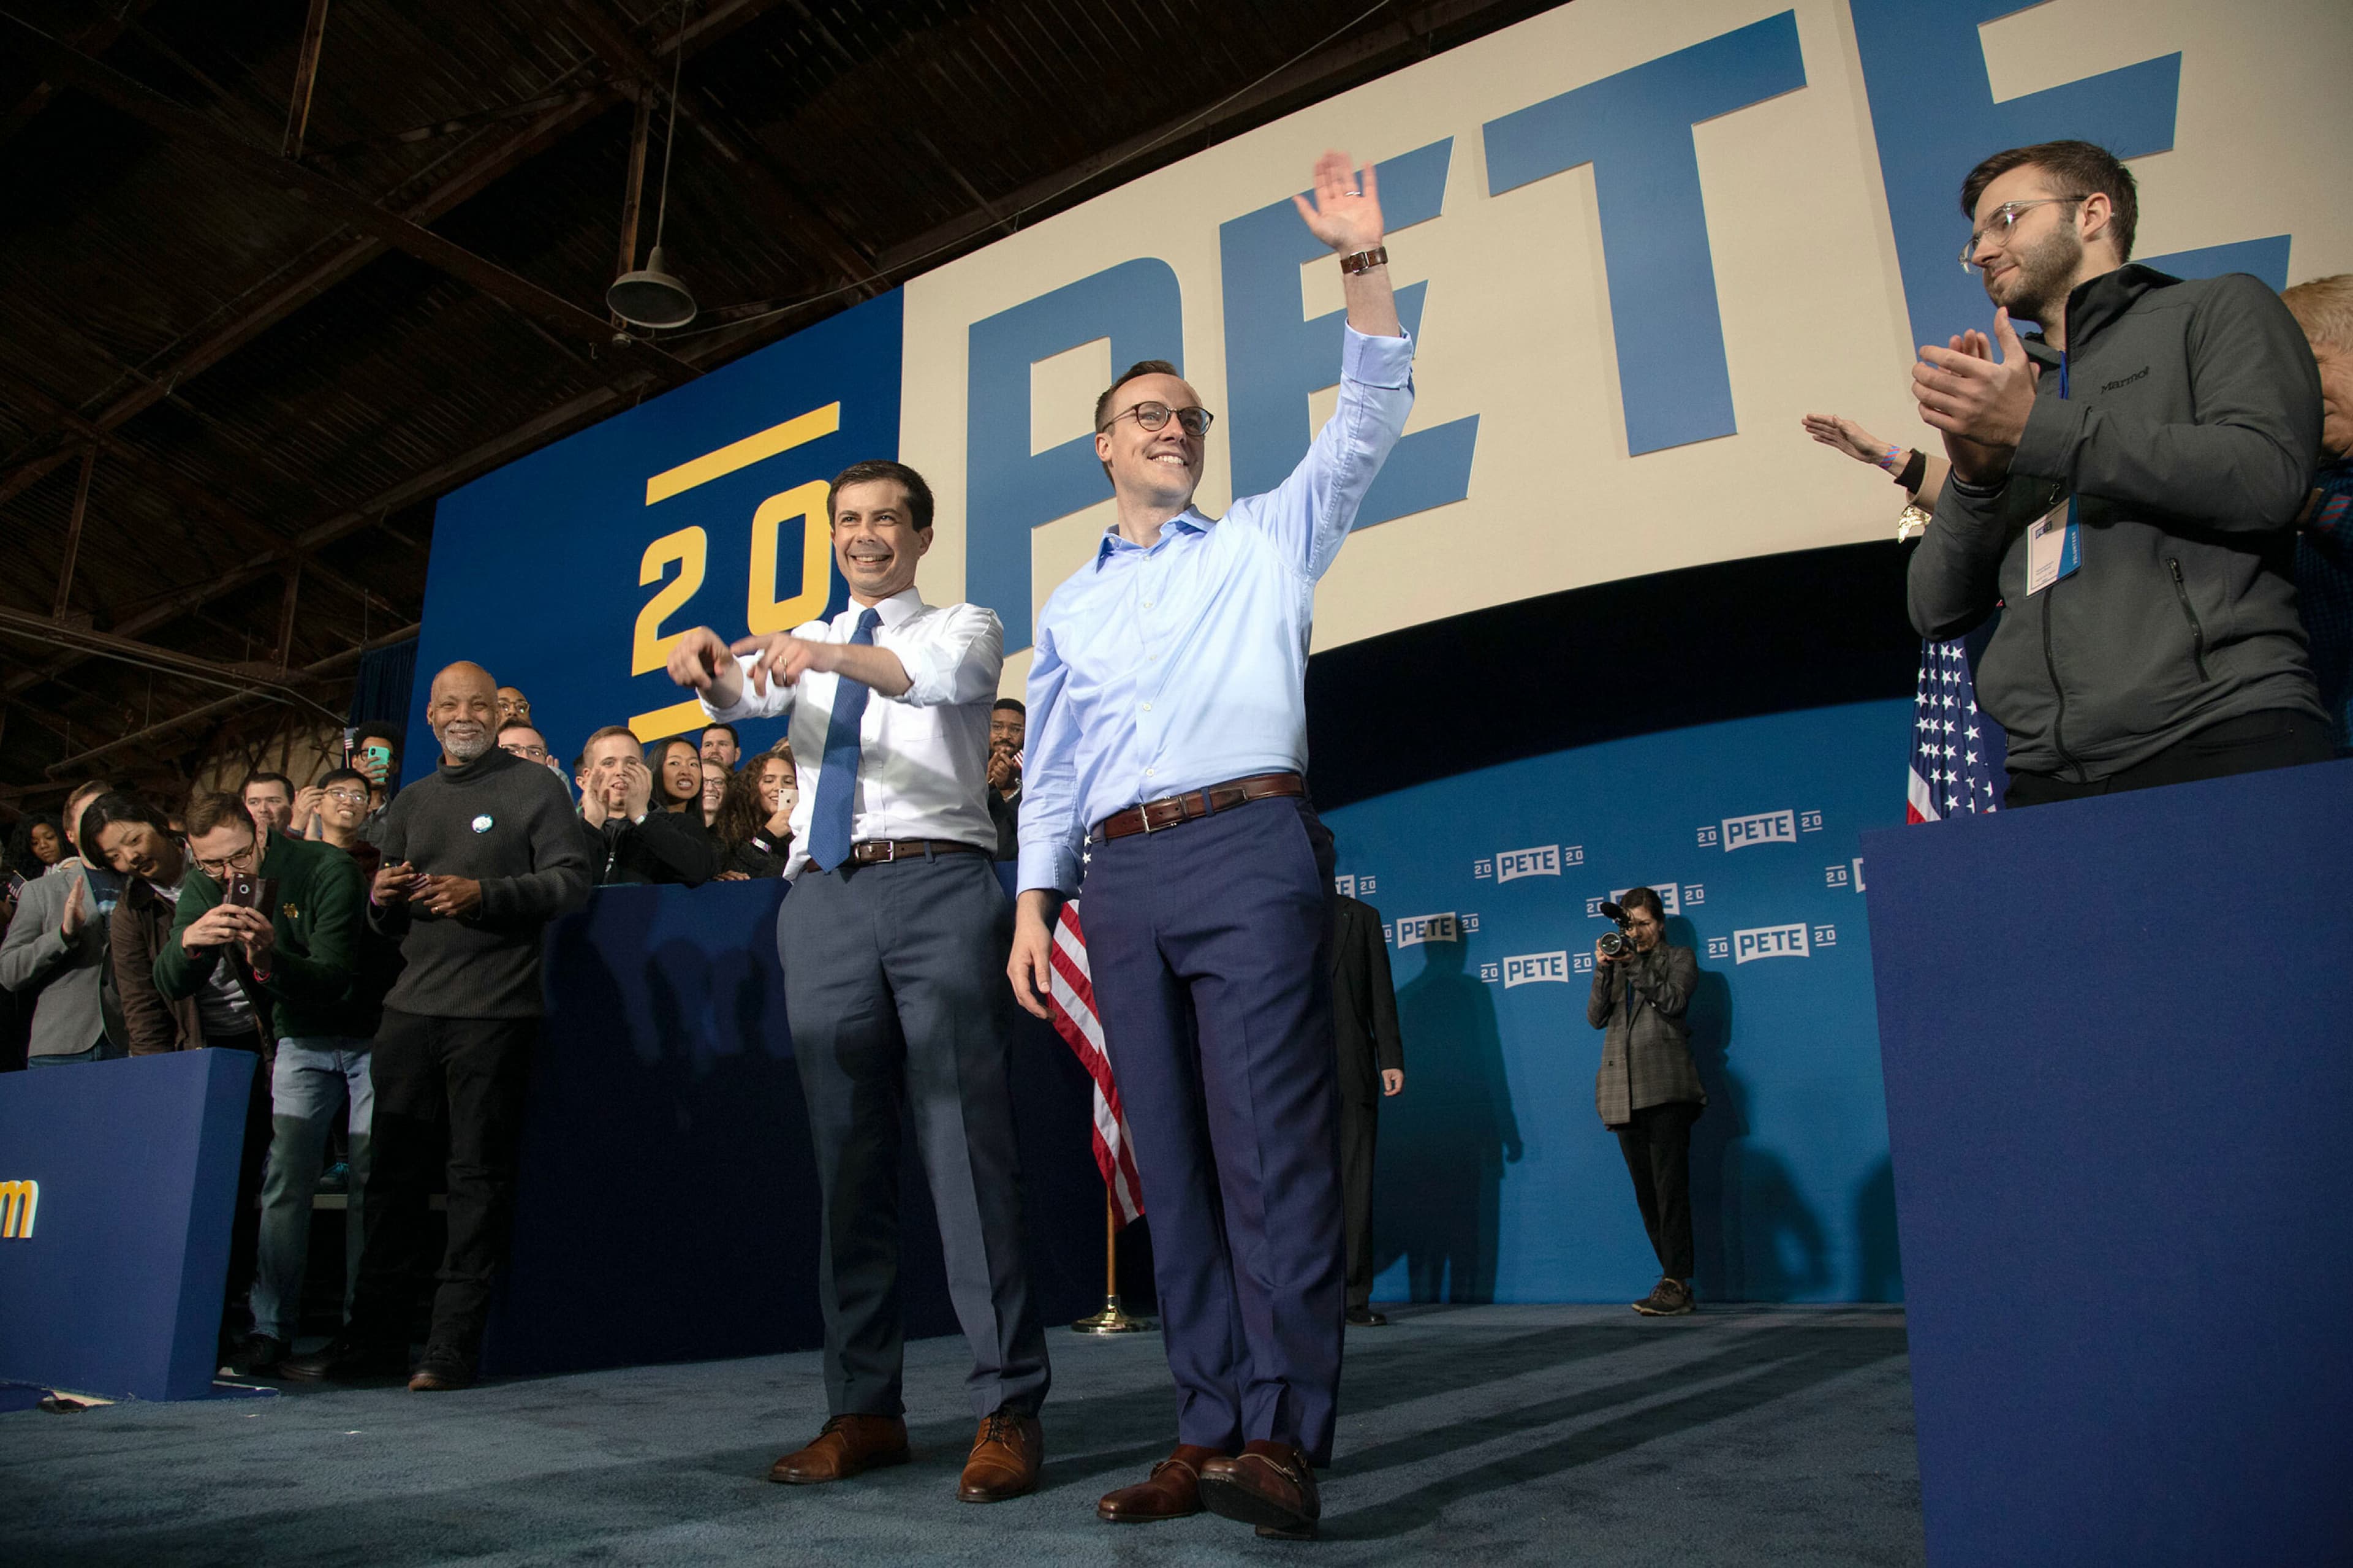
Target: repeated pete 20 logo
[(1530, 968), (1414, 930), (1770, 941), (1763, 827), (1537, 860)]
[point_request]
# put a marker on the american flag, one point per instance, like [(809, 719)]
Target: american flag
[(1073, 995), (1957, 751)]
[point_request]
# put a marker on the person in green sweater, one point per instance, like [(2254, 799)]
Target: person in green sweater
[(299, 956)]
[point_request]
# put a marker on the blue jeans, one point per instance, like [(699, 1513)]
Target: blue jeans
[(104, 1051), (315, 1079)]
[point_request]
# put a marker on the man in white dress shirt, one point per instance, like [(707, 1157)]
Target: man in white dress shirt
[(892, 940)]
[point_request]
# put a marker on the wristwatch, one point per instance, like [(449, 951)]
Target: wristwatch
[(1364, 260)]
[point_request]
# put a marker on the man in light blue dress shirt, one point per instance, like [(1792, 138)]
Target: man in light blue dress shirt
[(1167, 741)]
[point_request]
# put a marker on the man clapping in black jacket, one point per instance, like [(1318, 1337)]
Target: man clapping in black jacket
[(478, 857), (625, 839)]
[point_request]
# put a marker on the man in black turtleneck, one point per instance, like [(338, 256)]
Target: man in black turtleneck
[(478, 857)]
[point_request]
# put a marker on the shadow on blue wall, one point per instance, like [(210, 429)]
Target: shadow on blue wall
[(1449, 1139), (1754, 1235)]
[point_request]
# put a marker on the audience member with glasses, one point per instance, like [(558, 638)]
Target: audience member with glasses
[(2124, 482)]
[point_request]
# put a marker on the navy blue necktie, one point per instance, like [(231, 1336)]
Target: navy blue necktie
[(836, 779)]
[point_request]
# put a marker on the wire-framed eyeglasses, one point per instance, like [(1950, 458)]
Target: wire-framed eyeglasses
[(1195, 422), (2004, 219)]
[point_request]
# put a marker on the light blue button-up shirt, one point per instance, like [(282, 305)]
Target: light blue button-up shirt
[(1161, 670)]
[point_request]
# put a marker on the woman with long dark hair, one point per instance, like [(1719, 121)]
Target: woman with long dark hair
[(754, 826)]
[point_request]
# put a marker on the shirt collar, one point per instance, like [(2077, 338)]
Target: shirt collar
[(1189, 520), (901, 607)]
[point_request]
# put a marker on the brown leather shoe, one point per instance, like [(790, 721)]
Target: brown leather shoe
[(1270, 1485), (1005, 1454), (1172, 1492), (848, 1445)]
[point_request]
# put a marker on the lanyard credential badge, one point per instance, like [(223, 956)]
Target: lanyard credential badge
[(2054, 547), (2053, 543)]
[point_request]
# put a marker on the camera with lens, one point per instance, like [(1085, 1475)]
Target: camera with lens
[(1619, 943)]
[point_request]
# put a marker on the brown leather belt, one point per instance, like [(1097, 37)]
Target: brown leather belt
[(874, 851), (1155, 815)]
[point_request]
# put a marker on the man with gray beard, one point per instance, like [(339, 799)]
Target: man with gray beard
[(478, 857)]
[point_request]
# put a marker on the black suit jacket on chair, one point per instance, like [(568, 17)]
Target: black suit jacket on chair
[(1364, 1003)]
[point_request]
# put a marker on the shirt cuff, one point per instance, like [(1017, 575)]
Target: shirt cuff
[(1052, 867), (748, 704), (1377, 362)]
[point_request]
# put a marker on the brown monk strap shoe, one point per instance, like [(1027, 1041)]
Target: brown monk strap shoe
[(1173, 1490), (1005, 1454), (1270, 1485), (848, 1445)]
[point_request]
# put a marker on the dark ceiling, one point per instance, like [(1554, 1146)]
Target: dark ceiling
[(236, 370)]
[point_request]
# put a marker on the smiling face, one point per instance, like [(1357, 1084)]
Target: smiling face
[(2030, 270), (343, 804), (136, 849), (682, 773), (1158, 468), (779, 790), (875, 541), (463, 711), (714, 785), (604, 764)]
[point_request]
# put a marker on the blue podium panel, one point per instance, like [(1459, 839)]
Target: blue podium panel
[(668, 1207), (119, 1180), (2118, 1099)]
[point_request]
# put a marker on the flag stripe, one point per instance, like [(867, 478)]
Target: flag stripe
[(1071, 995)]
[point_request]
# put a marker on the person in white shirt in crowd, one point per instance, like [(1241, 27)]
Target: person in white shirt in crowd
[(892, 937)]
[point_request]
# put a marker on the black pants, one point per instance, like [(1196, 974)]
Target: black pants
[(1657, 1146), (2278, 738), (244, 1229), (448, 1106), (1360, 1120)]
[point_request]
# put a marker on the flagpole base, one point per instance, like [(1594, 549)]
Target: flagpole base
[(1111, 1321)]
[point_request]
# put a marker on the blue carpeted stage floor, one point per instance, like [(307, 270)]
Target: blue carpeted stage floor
[(1491, 1435)]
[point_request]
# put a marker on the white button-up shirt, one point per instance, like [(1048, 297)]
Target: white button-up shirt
[(922, 769)]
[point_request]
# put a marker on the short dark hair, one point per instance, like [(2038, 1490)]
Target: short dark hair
[(280, 780), (1141, 367), (331, 775), (378, 730), (730, 733), (919, 494), (2076, 169), (216, 808), (1634, 898), (1012, 702), (115, 805)]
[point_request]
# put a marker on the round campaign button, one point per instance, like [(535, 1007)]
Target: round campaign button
[(482, 823)]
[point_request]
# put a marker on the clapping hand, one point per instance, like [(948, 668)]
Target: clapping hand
[(77, 908), (1979, 402)]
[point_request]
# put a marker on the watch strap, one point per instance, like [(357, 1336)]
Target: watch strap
[(1364, 260)]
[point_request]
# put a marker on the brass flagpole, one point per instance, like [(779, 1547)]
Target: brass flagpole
[(1110, 1319)]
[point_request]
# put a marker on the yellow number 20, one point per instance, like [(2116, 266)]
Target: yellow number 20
[(691, 548)]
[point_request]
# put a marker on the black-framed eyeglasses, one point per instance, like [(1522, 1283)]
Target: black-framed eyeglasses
[(2004, 219), (220, 871), (1153, 415)]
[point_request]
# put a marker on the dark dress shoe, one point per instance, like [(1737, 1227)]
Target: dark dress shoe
[(1270, 1485), (343, 1358), (848, 1445), (1365, 1318), (445, 1370), (256, 1356), (1005, 1454), (1172, 1492)]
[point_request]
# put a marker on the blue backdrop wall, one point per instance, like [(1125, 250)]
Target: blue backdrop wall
[(1495, 1178)]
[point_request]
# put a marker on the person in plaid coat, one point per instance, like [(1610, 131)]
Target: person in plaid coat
[(1648, 1091)]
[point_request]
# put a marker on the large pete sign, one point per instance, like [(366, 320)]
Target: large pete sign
[(1635, 242)]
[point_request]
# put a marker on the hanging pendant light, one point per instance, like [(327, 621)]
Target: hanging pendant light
[(650, 296)]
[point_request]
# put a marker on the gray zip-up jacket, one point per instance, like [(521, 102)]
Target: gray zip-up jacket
[(59, 977), (2187, 437)]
